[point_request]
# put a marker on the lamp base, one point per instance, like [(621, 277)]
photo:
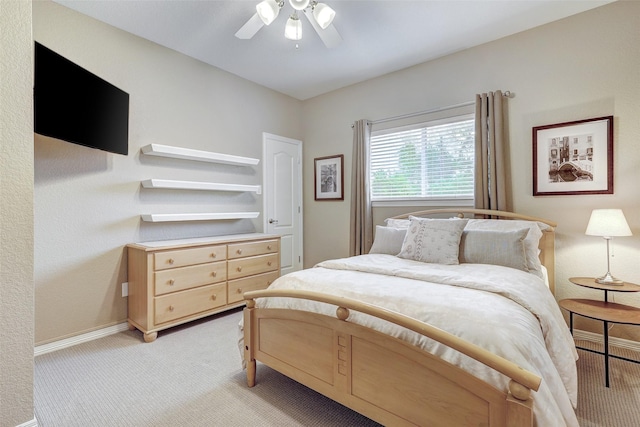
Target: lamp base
[(608, 279)]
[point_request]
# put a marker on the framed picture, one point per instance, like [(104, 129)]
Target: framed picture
[(329, 182), (573, 158)]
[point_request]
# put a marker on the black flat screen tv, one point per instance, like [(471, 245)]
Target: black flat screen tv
[(74, 105)]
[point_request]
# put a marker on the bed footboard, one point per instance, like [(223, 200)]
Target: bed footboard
[(383, 378)]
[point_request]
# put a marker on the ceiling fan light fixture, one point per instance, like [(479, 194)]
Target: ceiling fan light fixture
[(323, 15), (319, 15), (299, 4), (268, 11), (293, 29)]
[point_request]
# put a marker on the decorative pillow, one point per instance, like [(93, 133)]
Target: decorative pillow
[(504, 248), (388, 240), (531, 242), (397, 223), (433, 240)]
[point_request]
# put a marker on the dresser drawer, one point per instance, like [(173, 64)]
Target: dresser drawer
[(180, 304), (178, 279), (243, 267), (172, 282), (193, 256), (254, 283), (239, 250)]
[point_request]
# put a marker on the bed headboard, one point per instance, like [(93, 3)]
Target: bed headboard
[(547, 241)]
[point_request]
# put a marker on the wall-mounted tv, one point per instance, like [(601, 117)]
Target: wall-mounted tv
[(74, 105)]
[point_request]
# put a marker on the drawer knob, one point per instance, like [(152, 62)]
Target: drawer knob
[(269, 247), (239, 290), (213, 297), (171, 261), (213, 274), (171, 282), (213, 254), (239, 251), (239, 268), (171, 308), (269, 263)]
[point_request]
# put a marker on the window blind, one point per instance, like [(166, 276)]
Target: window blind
[(426, 161)]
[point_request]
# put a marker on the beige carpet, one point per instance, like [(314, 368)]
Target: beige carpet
[(190, 376), (616, 406)]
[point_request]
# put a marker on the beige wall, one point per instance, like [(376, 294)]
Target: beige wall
[(16, 215), (581, 67), (584, 66), (88, 202)]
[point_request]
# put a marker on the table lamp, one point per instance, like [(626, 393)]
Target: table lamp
[(608, 223)]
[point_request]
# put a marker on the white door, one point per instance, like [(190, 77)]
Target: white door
[(282, 195)]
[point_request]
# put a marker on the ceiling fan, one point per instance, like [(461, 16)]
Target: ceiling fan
[(320, 17)]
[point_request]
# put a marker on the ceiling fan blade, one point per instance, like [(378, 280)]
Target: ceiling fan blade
[(250, 28), (329, 36)]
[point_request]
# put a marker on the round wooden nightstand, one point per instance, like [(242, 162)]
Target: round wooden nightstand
[(604, 311), (590, 282)]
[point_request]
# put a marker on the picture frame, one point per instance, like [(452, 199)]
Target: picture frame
[(329, 177), (573, 158)]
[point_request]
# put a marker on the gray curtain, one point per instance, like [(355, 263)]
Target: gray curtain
[(361, 228), (490, 153)]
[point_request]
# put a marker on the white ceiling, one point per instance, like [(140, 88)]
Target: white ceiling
[(378, 36)]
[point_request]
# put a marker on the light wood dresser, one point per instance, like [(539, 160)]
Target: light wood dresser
[(176, 281)]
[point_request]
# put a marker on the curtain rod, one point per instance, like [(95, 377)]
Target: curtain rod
[(507, 93)]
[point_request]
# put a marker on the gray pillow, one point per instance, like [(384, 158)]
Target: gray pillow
[(504, 248), (388, 240), (531, 242)]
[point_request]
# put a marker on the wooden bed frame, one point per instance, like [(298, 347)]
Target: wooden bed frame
[(381, 377)]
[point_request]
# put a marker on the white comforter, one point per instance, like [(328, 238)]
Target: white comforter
[(508, 312)]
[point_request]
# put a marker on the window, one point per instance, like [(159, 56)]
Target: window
[(431, 161)]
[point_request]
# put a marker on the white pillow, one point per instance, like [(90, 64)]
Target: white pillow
[(388, 240), (397, 223), (504, 248), (531, 242), (432, 240)]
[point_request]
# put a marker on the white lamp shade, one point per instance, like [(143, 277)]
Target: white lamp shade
[(268, 11), (323, 15), (293, 29), (608, 223), (299, 4)]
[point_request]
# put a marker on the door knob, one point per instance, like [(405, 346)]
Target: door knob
[(273, 221)]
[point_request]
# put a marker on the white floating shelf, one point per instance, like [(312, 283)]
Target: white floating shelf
[(195, 185), (198, 155), (198, 216)]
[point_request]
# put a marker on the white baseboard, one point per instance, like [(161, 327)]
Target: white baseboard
[(78, 339), (32, 423), (613, 341)]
